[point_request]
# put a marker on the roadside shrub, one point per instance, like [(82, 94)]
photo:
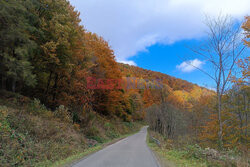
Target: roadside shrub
[(87, 119), (98, 139), (92, 131), (194, 151), (32, 135), (150, 140), (63, 114), (14, 146), (129, 125), (3, 112), (112, 134), (108, 126), (36, 108), (31, 139), (4, 124), (110, 130)]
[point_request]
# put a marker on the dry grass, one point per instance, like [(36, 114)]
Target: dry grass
[(31, 135)]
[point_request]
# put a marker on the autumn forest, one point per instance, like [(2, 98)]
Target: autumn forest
[(46, 60)]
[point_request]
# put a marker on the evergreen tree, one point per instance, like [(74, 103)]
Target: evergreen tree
[(16, 48)]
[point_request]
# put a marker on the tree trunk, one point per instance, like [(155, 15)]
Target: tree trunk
[(220, 138), (241, 125), (246, 117), (47, 88), (55, 87), (13, 85), (48, 83), (3, 83)]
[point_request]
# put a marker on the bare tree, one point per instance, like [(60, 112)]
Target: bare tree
[(166, 120), (221, 50)]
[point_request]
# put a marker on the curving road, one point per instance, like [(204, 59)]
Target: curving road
[(129, 152)]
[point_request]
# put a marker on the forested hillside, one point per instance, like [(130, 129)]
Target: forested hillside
[(46, 54), (172, 82), (46, 58), (47, 111)]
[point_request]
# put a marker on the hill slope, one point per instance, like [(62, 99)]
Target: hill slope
[(174, 83)]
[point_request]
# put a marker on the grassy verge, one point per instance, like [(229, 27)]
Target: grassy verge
[(71, 159), (172, 157), (172, 153)]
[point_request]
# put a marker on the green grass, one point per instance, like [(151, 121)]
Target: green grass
[(176, 157), (71, 159)]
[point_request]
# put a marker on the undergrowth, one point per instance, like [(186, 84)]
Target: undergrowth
[(32, 135), (192, 155)]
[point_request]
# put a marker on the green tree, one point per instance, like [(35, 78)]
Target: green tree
[(16, 48)]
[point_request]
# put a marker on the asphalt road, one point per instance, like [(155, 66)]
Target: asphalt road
[(129, 152)]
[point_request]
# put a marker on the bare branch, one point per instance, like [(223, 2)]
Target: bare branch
[(198, 68), (222, 49)]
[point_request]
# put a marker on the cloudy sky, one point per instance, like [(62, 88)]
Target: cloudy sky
[(137, 29)]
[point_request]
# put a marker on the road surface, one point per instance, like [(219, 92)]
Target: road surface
[(129, 152)]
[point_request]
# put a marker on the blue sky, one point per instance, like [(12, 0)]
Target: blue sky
[(166, 58), (153, 34)]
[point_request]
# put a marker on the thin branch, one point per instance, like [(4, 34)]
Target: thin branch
[(198, 68)]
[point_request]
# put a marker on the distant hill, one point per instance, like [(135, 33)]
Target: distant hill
[(172, 82)]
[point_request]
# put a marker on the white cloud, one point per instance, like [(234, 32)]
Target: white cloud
[(131, 26), (190, 65), (211, 88), (128, 62)]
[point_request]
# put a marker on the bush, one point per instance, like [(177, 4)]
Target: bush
[(98, 139), (3, 112), (14, 146), (92, 131), (35, 107), (4, 124), (129, 125), (112, 134), (194, 151), (31, 136), (27, 139), (63, 114), (108, 126)]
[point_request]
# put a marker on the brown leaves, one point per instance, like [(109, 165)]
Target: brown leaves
[(246, 27)]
